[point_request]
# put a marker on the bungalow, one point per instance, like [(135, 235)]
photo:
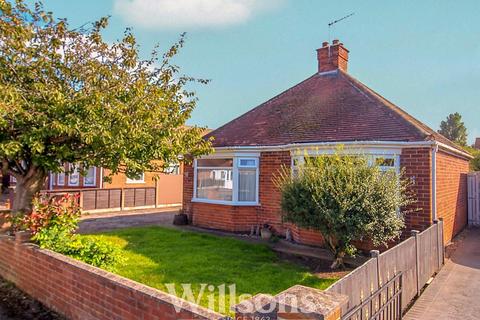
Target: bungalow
[(233, 190)]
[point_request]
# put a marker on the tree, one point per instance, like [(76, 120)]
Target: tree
[(67, 96), (454, 129), (346, 199), (475, 161)]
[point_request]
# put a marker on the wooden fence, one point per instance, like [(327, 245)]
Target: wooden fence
[(474, 198), (416, 259), (97, 200)]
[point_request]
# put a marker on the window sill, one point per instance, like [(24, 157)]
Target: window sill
[(226, 203)]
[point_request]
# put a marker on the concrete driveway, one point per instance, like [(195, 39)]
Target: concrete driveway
[(118, 220), (455, 291)]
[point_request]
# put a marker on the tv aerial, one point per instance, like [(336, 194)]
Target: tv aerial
[(330, 24)]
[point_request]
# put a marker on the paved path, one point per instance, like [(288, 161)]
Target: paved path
[(455, 291), (118, 220)]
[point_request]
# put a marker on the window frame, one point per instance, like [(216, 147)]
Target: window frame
[(58, 175), (173, 169), (94, 178), (235, 178), (299, 159), (73, 169), (136, 181)]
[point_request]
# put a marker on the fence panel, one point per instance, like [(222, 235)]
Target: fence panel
[(358, 285), (401, 258), (415, 259), (105, 199), (474, 198), (428, 254), (139, 197)]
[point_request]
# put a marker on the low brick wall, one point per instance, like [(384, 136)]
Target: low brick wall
[(80, 291)]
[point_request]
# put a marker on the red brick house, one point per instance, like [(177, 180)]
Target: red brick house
[(232, 189)]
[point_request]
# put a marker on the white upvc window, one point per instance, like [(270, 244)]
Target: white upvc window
[(227, 180), (90, 178), (61, 178), (385, 161), (173, 168), (138, 179), (73, 175)]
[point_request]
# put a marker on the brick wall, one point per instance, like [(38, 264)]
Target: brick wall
[(452, 193), (80, 291), (241, 218), (416, 163)]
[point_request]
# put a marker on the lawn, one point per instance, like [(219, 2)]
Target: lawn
[(159, 256)]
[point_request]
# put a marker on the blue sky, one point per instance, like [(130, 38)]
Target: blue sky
[(422, 55)]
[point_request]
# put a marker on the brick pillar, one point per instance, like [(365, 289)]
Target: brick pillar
[(297, 302)]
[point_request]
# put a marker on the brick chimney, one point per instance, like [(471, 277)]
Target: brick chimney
[(332, 57)]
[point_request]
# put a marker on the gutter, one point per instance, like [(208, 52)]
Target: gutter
[(377, 144)]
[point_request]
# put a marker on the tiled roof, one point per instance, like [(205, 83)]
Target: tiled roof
[(327, 107)]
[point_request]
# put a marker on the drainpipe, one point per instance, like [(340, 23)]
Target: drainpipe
[(50, 181), (434, 181), (101, 177)]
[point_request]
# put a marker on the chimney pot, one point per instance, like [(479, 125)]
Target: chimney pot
[(336, 41), (325, 44)]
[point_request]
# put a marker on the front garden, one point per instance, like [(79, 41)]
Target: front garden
[(158, 256)]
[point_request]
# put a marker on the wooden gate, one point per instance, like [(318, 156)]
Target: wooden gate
[(474, 198)]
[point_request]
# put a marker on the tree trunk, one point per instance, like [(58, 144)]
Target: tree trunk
[(337, 252), (338, 261), (26, 187)]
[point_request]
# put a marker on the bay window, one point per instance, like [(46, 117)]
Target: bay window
[(229, 180)]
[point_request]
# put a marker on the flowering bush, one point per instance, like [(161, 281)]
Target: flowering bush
[(53, 222), (51, 213)]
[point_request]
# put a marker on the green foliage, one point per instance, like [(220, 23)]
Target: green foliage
[(454, 129), (347, 199), (53, 223), (157, 256), (68, 96), (475, 162), (97, 252)]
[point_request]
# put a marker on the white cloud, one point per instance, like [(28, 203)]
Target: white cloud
[(154, 14)]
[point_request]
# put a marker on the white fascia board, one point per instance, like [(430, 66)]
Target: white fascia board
[(454, 151)]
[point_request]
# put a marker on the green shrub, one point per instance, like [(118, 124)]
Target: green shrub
[(347, 199)]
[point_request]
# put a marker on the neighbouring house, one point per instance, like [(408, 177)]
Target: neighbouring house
[(232, 189), (477, 144), (147, 190)]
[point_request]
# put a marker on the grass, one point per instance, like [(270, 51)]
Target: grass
[(158, 256)]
